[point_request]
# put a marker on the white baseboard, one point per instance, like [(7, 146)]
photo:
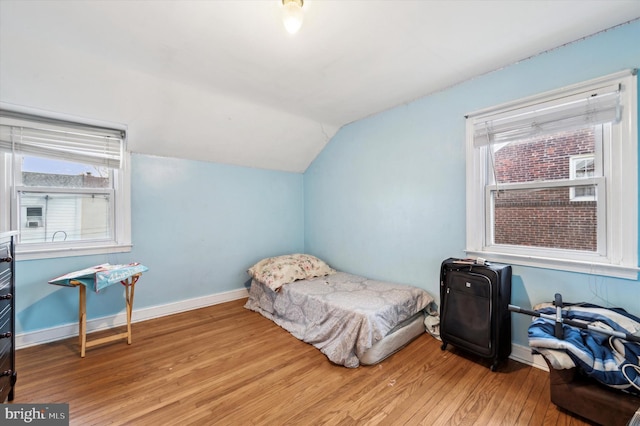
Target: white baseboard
[(32, 338), (523, 355)]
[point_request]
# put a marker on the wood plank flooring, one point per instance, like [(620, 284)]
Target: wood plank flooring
[(225, 365)]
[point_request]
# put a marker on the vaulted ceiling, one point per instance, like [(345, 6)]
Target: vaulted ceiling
[(223, 81)]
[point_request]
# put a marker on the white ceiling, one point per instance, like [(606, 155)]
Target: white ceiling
[(254, 95)]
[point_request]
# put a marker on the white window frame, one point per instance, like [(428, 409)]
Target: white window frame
[(9, 186), (617, 255)]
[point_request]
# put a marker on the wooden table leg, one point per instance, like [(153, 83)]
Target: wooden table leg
[(82, 314), (130, 288)]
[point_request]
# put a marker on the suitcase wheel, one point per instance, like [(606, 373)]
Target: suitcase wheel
[(444, 346)]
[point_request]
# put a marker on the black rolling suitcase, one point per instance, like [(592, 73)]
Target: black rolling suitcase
[(474, 308)]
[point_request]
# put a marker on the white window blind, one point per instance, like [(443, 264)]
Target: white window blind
[(21, 133), (597, 106)]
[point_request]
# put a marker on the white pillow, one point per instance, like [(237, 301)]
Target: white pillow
[(274, 272)]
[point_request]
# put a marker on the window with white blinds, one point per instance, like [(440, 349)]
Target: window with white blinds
[(597, 105), (552, 179), (57, 139), (74, 174)]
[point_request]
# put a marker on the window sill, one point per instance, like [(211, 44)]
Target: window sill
[(567, 265), (23, 253)]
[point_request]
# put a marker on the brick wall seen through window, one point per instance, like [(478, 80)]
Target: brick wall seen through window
[(544, 217)]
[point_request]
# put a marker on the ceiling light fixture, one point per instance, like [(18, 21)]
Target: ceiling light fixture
[(292, 15)]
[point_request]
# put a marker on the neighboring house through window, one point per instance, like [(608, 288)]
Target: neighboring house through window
[(34, 217), (552, 179), (67, 183), (582, 167)]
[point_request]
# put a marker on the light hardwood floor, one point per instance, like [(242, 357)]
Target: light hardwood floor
[(229, 366)]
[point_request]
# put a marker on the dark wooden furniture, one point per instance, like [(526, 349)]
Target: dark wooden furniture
[(7, 317), (585, 397)]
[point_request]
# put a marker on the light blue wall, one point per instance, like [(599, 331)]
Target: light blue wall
[(197, 226), (386, 197)]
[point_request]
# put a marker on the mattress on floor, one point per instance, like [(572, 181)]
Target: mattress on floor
[(345, 316)]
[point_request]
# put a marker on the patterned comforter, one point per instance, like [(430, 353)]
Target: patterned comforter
[(341, 314), (610, 360)]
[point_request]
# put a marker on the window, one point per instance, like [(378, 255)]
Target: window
[(67, 184), (34, 217), (552, 179), (582, 167)]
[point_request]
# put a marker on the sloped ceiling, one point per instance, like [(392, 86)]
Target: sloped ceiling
[(223, 81)]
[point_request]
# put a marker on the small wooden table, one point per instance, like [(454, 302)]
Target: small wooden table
[(99, 277), (130, 286)]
